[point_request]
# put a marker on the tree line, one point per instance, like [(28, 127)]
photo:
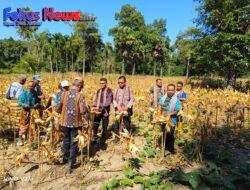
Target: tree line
[(218, 45)]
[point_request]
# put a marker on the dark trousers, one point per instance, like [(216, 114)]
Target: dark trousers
[(127, 123), (69, 148), (169, 138), (105, 123)]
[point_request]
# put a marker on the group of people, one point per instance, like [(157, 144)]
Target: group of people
[(71, 104), (27, 99)]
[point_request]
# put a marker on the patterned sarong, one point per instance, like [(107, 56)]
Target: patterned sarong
[(24, 122)]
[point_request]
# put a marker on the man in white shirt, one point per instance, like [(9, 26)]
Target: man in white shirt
[(16, 88)]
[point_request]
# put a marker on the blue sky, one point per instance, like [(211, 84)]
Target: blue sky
[(178, 13)]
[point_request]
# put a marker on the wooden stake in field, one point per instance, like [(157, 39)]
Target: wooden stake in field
[(51, 134), (248, 116), (229, 114), (30, 127), (245, 119), (39, 151), (243, 114), (216, 116), (163, 143), (189, 112), (90, 132)]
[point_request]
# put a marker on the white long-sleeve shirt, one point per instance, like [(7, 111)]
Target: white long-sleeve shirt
[(15, 90)]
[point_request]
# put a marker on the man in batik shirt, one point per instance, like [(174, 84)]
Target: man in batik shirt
[(72, 108)]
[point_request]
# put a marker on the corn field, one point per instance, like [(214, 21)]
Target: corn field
[(206, 112)]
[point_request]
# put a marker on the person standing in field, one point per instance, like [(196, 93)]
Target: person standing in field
[(103, 100), (170, 105), (16, 88), (12, 94), (27, 100), (156, 92), (72, 108), (63, 87), (182, 95), (37, 80), (123, 100)]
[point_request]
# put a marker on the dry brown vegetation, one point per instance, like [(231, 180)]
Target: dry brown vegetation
[(212, 116)]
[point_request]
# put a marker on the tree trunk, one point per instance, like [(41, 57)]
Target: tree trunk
[(113, 67), (72, 62), (77, 67), (83, 61), (56, 66), (20, 54), (56, 62), (108, 67), (60, 66), (105, 66), (230, 80), (42, 52), (91, 65), (169, 68), (187, 69), (154, 68), (123, 67), (133, 69), (28, 47), (51, 65), (66, 59), (161, 71)]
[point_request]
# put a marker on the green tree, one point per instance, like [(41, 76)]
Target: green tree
[(185, 46), (159, 42), (90, 39), (108, 54), (11, 52), (26, 31), (31, 63), (127, 44), (225, 48)]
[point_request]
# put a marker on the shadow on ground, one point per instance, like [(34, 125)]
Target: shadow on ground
[(224, 158)]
